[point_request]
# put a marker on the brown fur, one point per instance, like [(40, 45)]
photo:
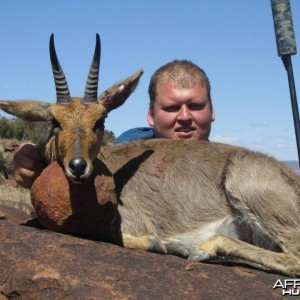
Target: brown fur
[(78, 127), (62, 145), (196, 199), (247, 196)]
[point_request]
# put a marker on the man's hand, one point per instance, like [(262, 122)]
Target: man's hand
[(28, 165)]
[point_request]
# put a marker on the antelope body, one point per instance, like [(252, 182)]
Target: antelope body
[(208, 199), (197, 199)]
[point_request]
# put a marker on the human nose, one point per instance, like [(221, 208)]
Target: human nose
[(184, 113)]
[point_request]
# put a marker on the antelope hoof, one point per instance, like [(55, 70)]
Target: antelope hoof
[(199, 255), (156, 245)]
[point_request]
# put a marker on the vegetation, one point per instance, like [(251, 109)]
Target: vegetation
[(37, 132), (15, 129), (108, 138), (18, 129), (5, 165)]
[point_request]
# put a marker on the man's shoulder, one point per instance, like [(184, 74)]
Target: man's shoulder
[(135, 134)]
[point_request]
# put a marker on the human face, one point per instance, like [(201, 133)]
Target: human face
[(181, 113)]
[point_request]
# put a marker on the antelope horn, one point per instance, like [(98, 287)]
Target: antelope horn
[(91, 88), (61, 85)]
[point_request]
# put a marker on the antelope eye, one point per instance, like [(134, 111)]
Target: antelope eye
[(99, 124), (55, 124)]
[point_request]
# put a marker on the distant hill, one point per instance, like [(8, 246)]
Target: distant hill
[(294, 165)]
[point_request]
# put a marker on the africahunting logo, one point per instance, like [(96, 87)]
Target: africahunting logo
[(289, 287)]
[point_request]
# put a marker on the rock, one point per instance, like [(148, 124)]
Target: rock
[(12, 148), (39, 264), (14, 215), (88, 209)]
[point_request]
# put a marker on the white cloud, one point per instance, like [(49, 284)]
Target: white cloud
[(281, 146), (225, 139), (260, 123)]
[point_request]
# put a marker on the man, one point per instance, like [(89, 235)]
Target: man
[(180, 108)]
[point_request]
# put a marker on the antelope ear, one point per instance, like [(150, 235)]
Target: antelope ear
[(27, 110), (116, 95)]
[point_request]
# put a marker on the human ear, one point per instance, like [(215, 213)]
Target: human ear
[(150, 117), (213, 115)]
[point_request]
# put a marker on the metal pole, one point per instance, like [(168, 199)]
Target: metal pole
[(287, 61), (286, 46)]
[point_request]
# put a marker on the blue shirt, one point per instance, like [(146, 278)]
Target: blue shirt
[(135, 134)]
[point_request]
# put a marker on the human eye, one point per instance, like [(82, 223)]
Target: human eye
[(171, 108), (196, 106)]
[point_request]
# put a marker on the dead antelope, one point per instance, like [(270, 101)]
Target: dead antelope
[(204, 200), (78, 122)]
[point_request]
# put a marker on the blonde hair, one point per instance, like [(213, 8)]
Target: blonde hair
[(181, 73)]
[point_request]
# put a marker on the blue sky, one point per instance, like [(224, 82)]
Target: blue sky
[(232, 40)]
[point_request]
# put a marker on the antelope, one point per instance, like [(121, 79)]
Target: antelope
[(203, 201)]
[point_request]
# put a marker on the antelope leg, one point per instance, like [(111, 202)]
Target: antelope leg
[(149, 243), (225, 246)]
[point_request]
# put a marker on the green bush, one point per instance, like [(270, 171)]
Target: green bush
[(18, 129), (6, 165), (36, 132)]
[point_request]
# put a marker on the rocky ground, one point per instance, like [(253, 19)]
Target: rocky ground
[(38, 264)]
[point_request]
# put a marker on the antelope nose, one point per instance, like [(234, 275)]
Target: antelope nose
[(77, 166)]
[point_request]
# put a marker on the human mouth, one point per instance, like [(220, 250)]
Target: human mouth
[(184, 132), (184, 129)]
